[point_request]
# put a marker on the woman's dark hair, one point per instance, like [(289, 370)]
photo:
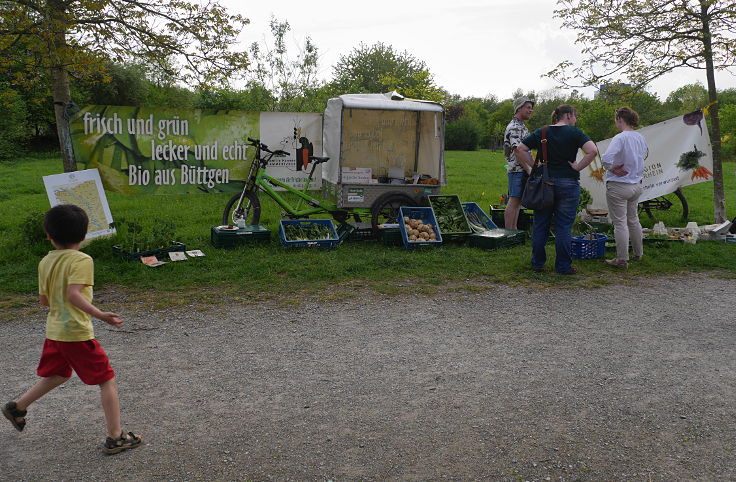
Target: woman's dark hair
[(628, 115), (562, 110), (66, 224)]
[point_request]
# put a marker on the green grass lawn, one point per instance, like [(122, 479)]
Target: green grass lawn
[(271, 270)]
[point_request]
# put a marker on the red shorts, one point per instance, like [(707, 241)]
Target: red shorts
[(87, 358)]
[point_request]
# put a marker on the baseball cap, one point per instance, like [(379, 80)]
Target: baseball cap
[(519, 103)]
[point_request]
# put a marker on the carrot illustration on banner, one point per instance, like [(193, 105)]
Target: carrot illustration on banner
[(690, 160)]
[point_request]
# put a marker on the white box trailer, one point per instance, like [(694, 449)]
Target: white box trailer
[(401, 141)]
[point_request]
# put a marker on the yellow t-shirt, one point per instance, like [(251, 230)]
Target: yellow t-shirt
[(56, 271)]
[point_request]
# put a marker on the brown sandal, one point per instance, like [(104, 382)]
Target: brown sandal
[(124, 442), (16, 417)]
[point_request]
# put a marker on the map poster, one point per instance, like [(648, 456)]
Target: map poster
[(83, 189)]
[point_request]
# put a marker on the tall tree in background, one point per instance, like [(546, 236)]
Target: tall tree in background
[(289, 79), (379, 68), (645, 39), (81, 37), (688, 98)]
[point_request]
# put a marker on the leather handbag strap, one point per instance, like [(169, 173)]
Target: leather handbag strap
[(545, 164), (542, 150), (544, 144)]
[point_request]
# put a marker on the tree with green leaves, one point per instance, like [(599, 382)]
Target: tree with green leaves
[(642, 40), (379, 68), (13, 128), (289, 79), (687, 98), (79, 38)]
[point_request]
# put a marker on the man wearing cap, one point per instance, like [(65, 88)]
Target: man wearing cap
[(515, 132)]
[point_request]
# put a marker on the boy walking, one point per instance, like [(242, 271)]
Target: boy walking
[(65, 280)]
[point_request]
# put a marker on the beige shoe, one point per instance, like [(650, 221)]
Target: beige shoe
[(618, 263), (637, 258)]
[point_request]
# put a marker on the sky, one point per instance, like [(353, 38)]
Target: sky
[(472, 47)]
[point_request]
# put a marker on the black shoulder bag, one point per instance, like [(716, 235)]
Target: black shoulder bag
[(539, 192)]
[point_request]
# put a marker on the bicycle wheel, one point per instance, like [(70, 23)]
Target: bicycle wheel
[(667, 202), (385, 209), (249, 209), (683, 200)]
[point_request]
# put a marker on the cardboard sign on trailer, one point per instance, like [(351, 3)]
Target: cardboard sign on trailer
[(401, 141)]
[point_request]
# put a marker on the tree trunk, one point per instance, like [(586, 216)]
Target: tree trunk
[(62, 96), (60, 81), (719, 199)]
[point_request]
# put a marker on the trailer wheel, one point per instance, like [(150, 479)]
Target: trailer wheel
[(385, 209)]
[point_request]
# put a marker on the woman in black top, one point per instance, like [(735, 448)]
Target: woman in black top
[(563, 142)]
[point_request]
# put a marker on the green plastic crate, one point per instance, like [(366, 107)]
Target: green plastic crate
[(137, 255), (232, 238), (391, 237), (497, 238), (454, 200), (525, 221)]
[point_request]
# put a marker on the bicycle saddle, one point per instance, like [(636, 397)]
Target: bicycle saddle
[(318, 160)]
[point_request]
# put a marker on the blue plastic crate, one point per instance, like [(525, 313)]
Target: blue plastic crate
[(472, 210), (333, 240), (583, 248), (426, 215)]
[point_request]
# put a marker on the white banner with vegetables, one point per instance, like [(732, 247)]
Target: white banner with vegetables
[(679, 154)]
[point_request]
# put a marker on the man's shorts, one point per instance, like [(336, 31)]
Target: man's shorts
[(517, 182), (87, 358)]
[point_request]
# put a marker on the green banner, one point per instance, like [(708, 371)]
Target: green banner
[(141, 150)]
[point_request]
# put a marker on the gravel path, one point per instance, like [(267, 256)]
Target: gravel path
[(634, 382)]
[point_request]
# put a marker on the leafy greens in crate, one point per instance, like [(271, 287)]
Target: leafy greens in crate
[(296, 232), (449, 213)]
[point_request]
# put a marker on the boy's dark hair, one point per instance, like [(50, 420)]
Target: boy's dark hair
[(66, 224), (628, 115)]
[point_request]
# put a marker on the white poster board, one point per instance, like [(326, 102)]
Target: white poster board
[(282, 130), (668, 142), (83, 189)]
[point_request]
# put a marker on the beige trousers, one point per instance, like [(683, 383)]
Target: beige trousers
[(623, 200)]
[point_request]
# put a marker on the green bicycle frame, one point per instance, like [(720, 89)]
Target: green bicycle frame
[(267, 183)]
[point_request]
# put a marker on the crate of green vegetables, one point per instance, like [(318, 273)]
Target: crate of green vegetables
[(300, 233), (450, 216), (497, 238)]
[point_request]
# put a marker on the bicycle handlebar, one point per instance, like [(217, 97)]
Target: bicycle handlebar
[(257, 143)]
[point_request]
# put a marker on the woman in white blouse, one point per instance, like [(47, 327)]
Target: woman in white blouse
[(624, 164)]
